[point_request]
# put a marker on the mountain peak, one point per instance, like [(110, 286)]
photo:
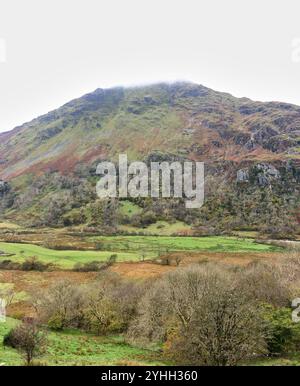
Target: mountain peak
[(180, 117)]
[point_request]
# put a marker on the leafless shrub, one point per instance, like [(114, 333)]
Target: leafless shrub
[(110, 303), (203, 315), (8, 294), (263, 282), (225, 328), (28, 338), (60, 305), (288, 267), (105, 305)]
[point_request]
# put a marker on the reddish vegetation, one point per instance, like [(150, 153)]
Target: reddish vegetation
[(30, 282), (97, 152), (8, 134), (202, 122), (148, 269), (140, 270)]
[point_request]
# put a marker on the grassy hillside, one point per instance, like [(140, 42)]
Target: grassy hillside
[(73, 348), (251, 152), (182, 118)]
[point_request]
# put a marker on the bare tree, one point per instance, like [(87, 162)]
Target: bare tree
[(8, 295), (100, 310), (265, 282), (61, 305), (203, 315), (111, 303), (225, 328), (27, 338)]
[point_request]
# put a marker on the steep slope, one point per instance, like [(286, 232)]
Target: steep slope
[(251, 150), (185, 119)]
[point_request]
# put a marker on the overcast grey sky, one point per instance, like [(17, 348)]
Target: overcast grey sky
[(52, 51)]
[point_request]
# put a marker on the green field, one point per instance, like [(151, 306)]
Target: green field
[(177, 243), (69, 348), (65, 259), (76, 348), (162, 228), (129, 209), (287, 360), (131, 248)]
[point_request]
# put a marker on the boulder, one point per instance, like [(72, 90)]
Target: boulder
[(242, 175)]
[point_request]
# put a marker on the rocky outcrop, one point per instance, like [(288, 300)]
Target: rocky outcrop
[(4, 188), (262, 174), (242, 175), (268, 170), (6, 196), (48, 133)]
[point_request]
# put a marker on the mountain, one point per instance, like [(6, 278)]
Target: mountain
[(183, 120)]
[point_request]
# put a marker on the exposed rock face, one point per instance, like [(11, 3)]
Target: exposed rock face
[(266, 173), (250, 145), (149, 100), (264, 134), (242, 175), (270, 139), (262, 174), (166, 117), (48, 133), (268, 170), (4, 188), (189, 131), (252, 141), (6, 195)]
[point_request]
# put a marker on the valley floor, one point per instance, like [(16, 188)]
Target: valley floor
[(75, 348), (138, 257)]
